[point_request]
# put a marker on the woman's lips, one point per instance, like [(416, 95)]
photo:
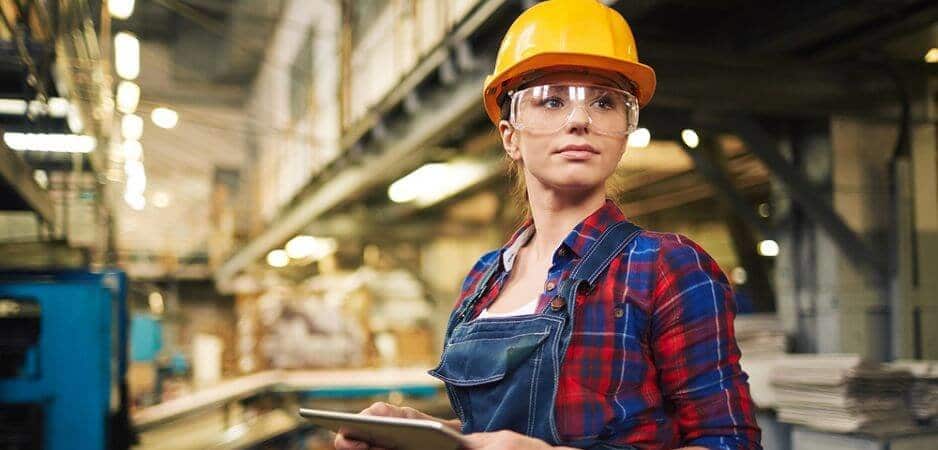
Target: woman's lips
[(577, 152)]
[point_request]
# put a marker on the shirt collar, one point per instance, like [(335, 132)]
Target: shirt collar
[(579, 240)]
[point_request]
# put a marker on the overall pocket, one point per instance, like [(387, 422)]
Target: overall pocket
[(492, 380)]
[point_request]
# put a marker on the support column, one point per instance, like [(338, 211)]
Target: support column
[(862, 154)]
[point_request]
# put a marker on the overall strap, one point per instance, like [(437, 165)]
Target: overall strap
[(610, 245)]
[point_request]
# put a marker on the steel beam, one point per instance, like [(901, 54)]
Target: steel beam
[(763, 146), (21, 191), (740, 217), (717, 176), (401, 150)]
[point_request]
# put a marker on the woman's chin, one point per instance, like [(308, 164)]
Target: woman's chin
[(576, 186)]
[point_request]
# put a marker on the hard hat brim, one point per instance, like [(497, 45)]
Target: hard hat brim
[(642, 75)]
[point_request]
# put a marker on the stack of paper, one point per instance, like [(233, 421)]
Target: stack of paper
[(761, 341), (759, 334), (841, 393), (923, 395)]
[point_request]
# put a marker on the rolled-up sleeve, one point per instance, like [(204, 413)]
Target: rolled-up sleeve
[(695, 352)]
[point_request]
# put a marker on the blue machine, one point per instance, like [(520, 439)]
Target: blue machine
[(63, 361)]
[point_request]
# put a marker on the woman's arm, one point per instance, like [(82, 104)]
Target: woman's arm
[(695, 351)]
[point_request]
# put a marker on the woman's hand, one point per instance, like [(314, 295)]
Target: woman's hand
[(507, 440), (385, 410)]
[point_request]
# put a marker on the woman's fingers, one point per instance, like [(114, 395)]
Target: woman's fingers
[(343, 443), (376, 409), (379, 409)]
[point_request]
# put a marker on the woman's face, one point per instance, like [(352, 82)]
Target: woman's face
[(545, 159)]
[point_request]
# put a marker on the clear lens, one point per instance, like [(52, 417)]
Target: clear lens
[(549, 108)]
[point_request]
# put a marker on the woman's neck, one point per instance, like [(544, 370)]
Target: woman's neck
[(556, 213)]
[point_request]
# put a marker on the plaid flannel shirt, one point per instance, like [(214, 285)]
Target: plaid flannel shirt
[(653, 360)]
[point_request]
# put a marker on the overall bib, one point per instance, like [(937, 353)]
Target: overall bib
[(502, 373)]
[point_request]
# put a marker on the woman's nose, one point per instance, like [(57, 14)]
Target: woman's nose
[(579, 118)]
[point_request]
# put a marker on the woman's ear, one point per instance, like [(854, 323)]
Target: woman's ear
[(509, 137)]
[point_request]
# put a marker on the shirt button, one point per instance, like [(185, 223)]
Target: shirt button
[(618, 312), (557, 303), (562, 251), (550, 286)]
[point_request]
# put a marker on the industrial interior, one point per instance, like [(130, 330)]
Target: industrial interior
[(216, 212)]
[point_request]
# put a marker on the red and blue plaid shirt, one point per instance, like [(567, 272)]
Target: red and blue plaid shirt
[(653, 360)]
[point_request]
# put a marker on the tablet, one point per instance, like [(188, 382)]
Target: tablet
[(388, 432)]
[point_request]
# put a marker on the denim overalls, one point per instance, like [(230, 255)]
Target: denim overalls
[(502, 373)]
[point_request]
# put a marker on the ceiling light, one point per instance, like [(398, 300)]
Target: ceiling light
[(690, 138), (132, 127), (132, 150), (136, 201), (435, 181), (128, 95), (164, 117), (120, 9), (278, 258), (41, 142), (302, 247), (768, 247), (156, 303), (55, 107), (12, 106), (931, 56), (160, 199), (639, 138), (126, 55), (58, 107), (75, 123)]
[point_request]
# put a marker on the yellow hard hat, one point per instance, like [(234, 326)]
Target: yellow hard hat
[(566, 33)]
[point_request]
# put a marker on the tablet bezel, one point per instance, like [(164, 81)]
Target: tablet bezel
[(392, 423)]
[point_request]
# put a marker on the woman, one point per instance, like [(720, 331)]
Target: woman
[(584, 330)]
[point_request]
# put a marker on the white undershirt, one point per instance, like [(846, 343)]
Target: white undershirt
[(527, 308)]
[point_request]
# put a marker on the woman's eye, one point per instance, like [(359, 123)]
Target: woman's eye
[(605, 103), (551, 102)]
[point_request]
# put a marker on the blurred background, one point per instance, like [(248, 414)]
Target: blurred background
[(217, 211)]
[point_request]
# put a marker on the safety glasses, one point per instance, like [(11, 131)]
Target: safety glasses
[(548, 108)]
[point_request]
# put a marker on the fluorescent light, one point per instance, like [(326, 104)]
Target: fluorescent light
[(302, 247), (132, 127), (12, 106), (58, 107), (126, 55), (128, 95), (435, 181), (136, 201), (639, 138), (136, 185), (136, 182), (120, 9), (160, 199), (156, 303), (164, 117), (931, 56), (41, 142), (690, 138), (768, 247), (278, 258), (132, 150), (75, 123)]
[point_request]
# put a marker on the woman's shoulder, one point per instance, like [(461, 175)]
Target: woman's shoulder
[(676, 257), (674, 254), (478, 269)]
